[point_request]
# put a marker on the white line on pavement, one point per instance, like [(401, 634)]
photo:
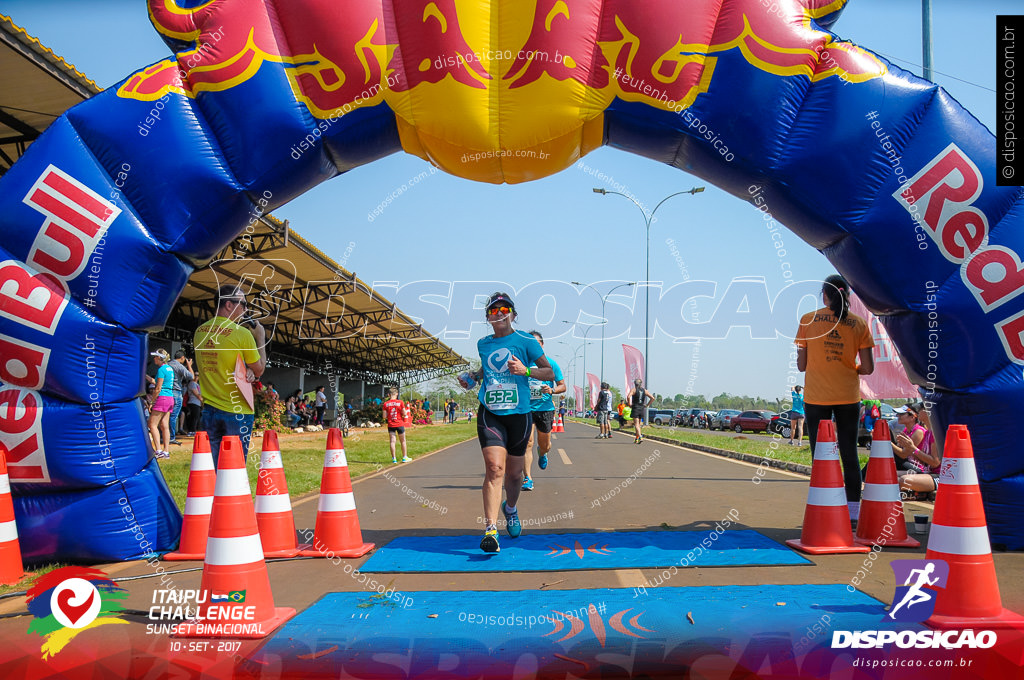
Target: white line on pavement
[(565, 458)]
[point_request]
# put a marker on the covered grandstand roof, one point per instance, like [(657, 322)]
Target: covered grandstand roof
[(38, 86), (318, 314)]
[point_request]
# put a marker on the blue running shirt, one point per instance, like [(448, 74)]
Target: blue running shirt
[(500, 391), (538, 400)]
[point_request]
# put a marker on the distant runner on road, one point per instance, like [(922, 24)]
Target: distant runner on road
[(504, 418), (394, 412), (604, 412), (543, 415), (638, 399)]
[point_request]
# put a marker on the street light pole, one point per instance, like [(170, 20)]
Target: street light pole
[(571, 363), (604, 319), (648, 219), (590, 327)]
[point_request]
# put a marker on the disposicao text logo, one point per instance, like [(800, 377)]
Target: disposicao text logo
[(913, 602), (69, 600)]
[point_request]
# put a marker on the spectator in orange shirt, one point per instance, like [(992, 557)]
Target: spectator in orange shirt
[(829, 343)]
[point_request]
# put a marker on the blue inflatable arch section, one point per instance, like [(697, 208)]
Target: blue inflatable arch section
[(101, 226)]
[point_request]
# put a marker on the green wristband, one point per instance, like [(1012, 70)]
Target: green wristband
[(527, 372)]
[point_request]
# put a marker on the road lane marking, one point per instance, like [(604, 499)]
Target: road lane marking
[(565, 458), (630, 578)]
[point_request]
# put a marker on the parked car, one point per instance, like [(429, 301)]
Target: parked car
[(755, 421), (685, 416), (723, 419), (889, 414), (660, 416), (781, 424)]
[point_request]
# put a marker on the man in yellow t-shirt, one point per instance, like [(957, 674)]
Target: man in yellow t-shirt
[(220, 344)]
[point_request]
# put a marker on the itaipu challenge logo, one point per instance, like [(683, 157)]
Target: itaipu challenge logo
[(70, 600)]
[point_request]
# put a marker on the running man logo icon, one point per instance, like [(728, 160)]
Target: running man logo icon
[(914, 601)]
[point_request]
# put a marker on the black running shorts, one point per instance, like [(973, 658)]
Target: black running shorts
[(510, 431), (544, 420), (396, 430)]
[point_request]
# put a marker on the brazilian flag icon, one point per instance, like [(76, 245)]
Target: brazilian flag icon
[(237, 596)]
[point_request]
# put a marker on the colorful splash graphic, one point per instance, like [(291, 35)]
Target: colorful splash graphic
[(565, 61), (70, 600)]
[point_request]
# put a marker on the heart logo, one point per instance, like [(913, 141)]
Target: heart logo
[(74, 612), (75, 603)]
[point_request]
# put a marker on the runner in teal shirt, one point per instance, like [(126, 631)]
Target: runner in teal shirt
[(543, 405), (504, 419)]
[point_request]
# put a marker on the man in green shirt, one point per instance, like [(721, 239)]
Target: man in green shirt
[(229, 357)]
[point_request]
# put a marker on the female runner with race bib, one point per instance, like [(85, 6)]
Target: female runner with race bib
[(504, 418)]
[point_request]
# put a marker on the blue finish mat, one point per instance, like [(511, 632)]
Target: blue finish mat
[(561, 552), (568, 633)]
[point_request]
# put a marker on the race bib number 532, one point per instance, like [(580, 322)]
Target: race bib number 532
[(501, 399)]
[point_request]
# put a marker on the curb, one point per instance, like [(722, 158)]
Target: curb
[(725, 453)]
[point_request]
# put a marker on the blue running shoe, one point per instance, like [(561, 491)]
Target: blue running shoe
[(489, 544), (543, 461), (527, 484), (512, 525)]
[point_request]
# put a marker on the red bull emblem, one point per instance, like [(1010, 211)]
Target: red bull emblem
[(563, 60)]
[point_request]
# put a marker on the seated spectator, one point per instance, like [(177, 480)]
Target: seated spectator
[(917, 445), (293, 416)]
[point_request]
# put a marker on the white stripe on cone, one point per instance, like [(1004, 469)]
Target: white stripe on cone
[(335, 458), (826, 451), (270, 460), (880, 449), (883, 493), (958, 471), (234, 551), (232, 482), (5, 484), (826, 496), (277, 502), (8, 531), (202, 461), (959, 540), (336, 502), (199, 505)]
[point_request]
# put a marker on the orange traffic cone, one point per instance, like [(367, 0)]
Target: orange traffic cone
[(337, 532), (234, 573), (273, 506), (202, 479), (959, 536), (558, 424), (11, 570), (826, 527), (881, 510)]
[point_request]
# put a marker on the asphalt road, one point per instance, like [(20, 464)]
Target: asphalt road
[(679, 490)]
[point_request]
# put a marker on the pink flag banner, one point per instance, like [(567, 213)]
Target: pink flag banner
[(579, 397), (595, 386), (634, 365), (889, 380)]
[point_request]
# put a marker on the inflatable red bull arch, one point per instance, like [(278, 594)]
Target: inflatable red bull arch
[(106, 216)]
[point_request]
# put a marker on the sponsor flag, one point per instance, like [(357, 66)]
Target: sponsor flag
[(595, 386), (579, 397), (634, 366), (889, 380)]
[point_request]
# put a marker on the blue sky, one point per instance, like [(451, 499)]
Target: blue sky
[(449, 229)]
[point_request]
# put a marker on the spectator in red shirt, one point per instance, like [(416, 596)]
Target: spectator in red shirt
[(394, 412)]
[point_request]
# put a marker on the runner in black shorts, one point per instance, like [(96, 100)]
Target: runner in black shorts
[(639, 399), (504, 420), (543, 405)]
